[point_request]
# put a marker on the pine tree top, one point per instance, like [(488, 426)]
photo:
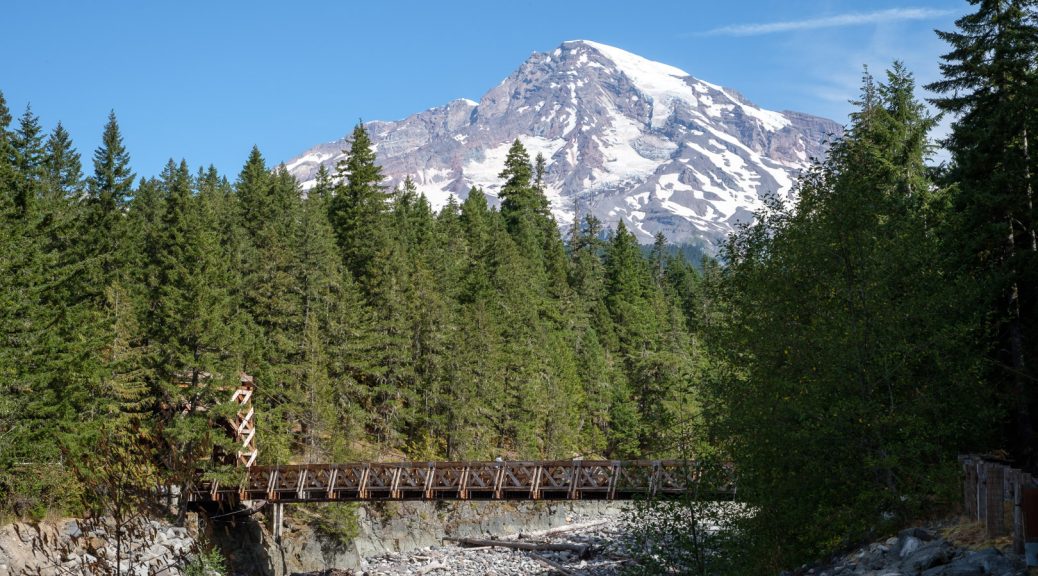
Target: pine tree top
[(358, 172), (112, 178), (5, 115)]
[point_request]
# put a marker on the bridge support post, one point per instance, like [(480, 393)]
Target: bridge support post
[(277, 516)]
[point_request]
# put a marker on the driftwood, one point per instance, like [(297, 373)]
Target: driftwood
[(571, 527), (553, 565), (556, 530), (580, 550)]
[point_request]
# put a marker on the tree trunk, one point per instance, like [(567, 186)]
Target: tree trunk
[(1024, 431)]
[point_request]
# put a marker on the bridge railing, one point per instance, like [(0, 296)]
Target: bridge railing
[(481, 480)]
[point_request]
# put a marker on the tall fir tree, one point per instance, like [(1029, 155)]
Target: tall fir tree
[(63, 168), (108, 191), (330, 339), (357, 210), (598, 369), (28, 157), (988, 83), (849, 366)]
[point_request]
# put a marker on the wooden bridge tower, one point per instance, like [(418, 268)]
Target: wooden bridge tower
[(244, 422)]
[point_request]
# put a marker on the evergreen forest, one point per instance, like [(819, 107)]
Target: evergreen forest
[(838, 353), (375, 327)]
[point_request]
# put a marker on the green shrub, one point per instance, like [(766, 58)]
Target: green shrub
[(207, 563)]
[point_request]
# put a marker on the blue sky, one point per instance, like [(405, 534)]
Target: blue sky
[(205, 81)]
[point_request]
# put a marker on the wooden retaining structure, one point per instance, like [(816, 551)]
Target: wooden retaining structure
[(992, 494)]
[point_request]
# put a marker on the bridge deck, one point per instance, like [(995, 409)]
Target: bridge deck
[(527, 480)]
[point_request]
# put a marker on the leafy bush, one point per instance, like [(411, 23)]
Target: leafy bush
[(689, 535), (207, 563)]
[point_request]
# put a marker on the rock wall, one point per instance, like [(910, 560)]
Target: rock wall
[(77, 547), (404, 526), (250, 548)]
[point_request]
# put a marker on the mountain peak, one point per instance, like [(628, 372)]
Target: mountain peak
[(625, 138), (628, 62)]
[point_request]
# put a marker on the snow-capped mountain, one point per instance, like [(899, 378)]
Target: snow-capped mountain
[(624, 138)]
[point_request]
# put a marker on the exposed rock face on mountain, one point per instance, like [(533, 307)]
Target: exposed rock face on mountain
[(625, 138)]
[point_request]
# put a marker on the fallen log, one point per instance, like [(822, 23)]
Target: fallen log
[(570, 528), (580, 550), (548, 533)]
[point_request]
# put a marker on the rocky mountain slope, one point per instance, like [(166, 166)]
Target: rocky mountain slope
[(625, 138)]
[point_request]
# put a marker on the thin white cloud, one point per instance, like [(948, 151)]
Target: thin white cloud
[(835, 21)]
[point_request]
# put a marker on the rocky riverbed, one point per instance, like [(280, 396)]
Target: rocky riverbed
[(919, 552), (597, 547), (404, 538), (913, 552), (426, 539)]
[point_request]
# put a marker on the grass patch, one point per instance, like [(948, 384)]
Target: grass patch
[(970, 534)]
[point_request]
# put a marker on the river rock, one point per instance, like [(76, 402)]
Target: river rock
[(908, 545), (921, 552), (934, 553)]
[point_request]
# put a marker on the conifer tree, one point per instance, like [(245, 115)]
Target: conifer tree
[(476, 363), (27, 147), (253, 188), (63, 169), (323, 187), (102, 390), (597, 366), (539, 169), (40, 358), (527, 213), (475, 221), (108, 191), (630, 297), (390, 366), (849, 365), (112, 182), (523, 203), (517, 197), (7, 166), (449, 249), (685, 284), (357, 210), (518, 284), (235, 248), (988, 83), (189, 308), (97, 292), (272, 299), (16, 255), (330, 338), (27, 142)]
